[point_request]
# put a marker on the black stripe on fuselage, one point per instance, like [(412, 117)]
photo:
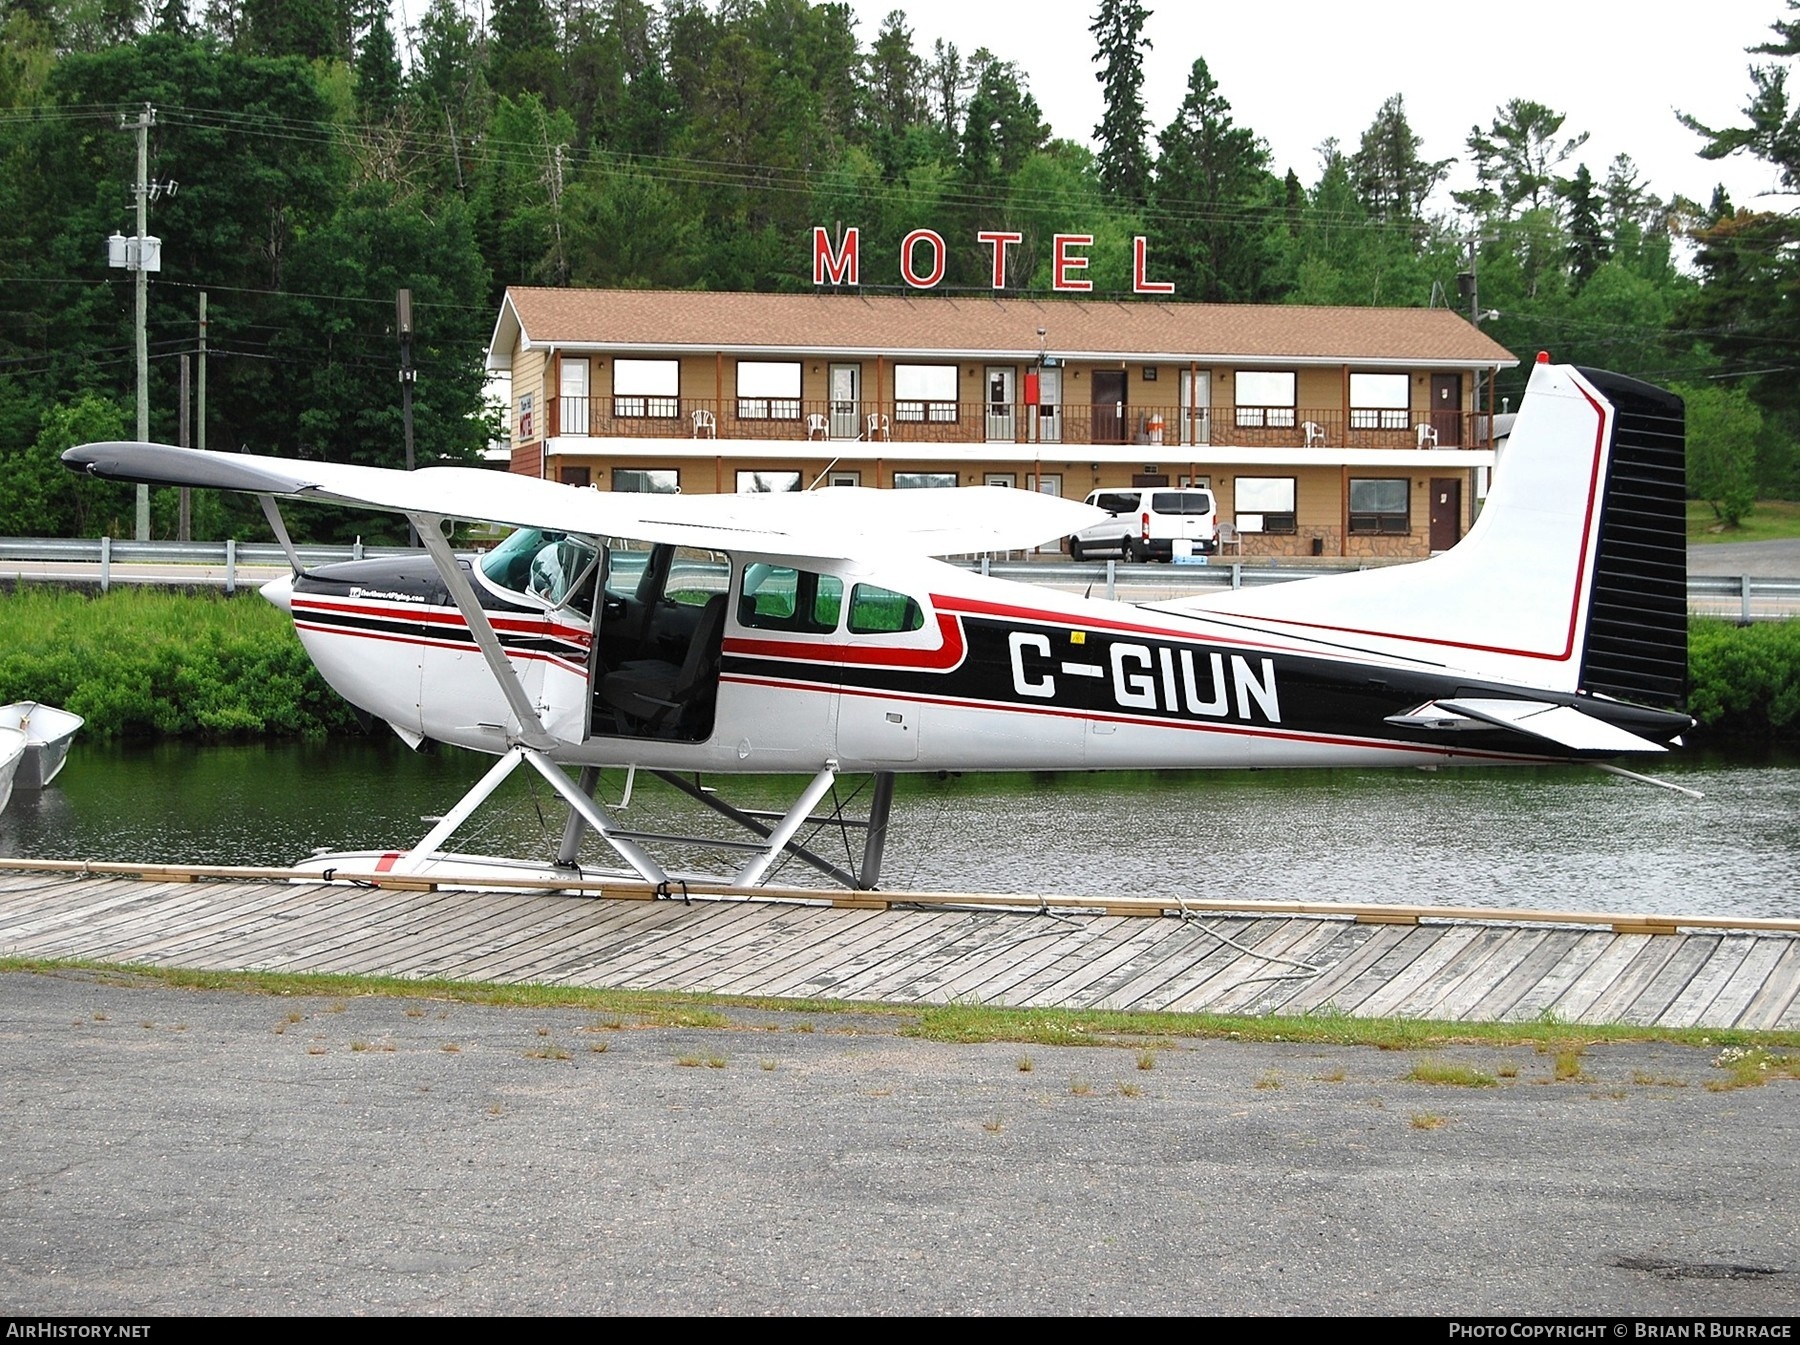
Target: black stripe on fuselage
[(1151, 678)]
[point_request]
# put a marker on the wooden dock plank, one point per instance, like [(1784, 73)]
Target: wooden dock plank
[(864, 959), (1258, 976), (1473, 974), (964, 934), (1451, 943), (1776, 993), (1576, 1001), (1579, 951), (1217, 953), (1691, 953), (1691, 1004), (1741, 986), (1408, 942), (1614, 1000), (1362, 946), (1329, 943), (915, 953)]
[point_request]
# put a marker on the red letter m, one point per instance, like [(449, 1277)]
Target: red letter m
[(839, 267)]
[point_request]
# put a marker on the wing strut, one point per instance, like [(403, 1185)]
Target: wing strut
[(531, 728), (278, 525)]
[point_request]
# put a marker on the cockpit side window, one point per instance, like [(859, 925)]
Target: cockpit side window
[(554, 567)]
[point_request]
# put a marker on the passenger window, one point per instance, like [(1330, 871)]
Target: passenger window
[(778, 597), (695, 575), (881, 611)]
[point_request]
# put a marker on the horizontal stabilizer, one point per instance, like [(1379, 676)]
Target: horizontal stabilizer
[(1561, 724)]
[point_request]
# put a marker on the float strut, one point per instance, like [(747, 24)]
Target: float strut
[(752, 873), (576, 827), (875, 841)]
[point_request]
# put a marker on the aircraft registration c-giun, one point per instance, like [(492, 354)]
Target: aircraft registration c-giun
[(816, 633)]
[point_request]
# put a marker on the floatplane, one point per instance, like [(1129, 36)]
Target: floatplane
[(817, 634)]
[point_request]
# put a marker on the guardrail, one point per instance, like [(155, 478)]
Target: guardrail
[(226, 558), (1744, 598)]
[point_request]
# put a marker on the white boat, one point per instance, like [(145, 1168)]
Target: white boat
[(12, 751), (48, 732)]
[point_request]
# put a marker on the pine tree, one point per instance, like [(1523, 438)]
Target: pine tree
[(1124, 159), (1211, 198), (1391, 179)]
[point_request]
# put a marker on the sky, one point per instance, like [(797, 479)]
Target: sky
[(1297, 72)]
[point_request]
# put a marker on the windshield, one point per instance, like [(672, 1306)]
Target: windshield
[(548, 565)]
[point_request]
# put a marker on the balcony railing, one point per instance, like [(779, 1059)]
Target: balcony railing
[(946, 422)]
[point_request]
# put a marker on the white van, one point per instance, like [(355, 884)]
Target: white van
[(1146, 522)]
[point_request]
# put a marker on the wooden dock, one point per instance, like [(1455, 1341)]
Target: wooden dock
[(920, 948)]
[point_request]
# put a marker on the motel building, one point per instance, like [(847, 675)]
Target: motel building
[(1343, 432)]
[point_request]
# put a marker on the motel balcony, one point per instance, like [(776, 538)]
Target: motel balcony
[(964, 423)]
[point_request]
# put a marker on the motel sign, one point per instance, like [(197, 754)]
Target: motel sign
[(843, 265)]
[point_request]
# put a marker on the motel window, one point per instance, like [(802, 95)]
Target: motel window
[(1379, 402), (768, 389), (1264, 503), (778, 597), (925, 392), (658, 481), (647, 389), (923, 480), (575, 476), (766, 483), (1265, 397), (881, 611), (1380, 505)]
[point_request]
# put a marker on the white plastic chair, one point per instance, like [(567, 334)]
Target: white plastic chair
[(706, 425), (1315, 434), (1427, 436), (1230, 539), (877, 427), (815, 427)]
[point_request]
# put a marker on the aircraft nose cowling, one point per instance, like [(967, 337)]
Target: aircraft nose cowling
[(280, 592)]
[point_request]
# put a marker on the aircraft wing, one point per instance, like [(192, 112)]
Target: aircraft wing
[(1562, 724), (841, 522)]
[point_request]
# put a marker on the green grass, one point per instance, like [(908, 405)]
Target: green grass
[(1771, 520), (1450, 1075), (138, 662), (955, 1023)]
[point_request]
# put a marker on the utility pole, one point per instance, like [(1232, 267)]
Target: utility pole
[(403, 312), (146, 118), (200, 391), (184, 522)]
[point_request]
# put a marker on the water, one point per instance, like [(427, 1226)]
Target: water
[(1548, 839)]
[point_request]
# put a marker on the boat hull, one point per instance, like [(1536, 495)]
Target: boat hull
[(48, 733), (12, 752)]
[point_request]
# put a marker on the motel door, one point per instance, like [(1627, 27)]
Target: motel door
[(1446, 512), (846, 401), (1109, 406), (1046, 425), (1446, 408), (1196, 407), (999, 398)]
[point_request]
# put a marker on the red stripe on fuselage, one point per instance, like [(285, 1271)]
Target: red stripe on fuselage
[(459, 646), (579, 636), (945, 658)]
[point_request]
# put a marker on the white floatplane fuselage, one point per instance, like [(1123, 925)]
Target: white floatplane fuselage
[(813, 633)]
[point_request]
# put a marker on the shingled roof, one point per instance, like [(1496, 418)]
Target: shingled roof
[(678, 321)]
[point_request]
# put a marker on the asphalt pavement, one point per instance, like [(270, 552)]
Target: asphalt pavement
[(177, 1152)]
